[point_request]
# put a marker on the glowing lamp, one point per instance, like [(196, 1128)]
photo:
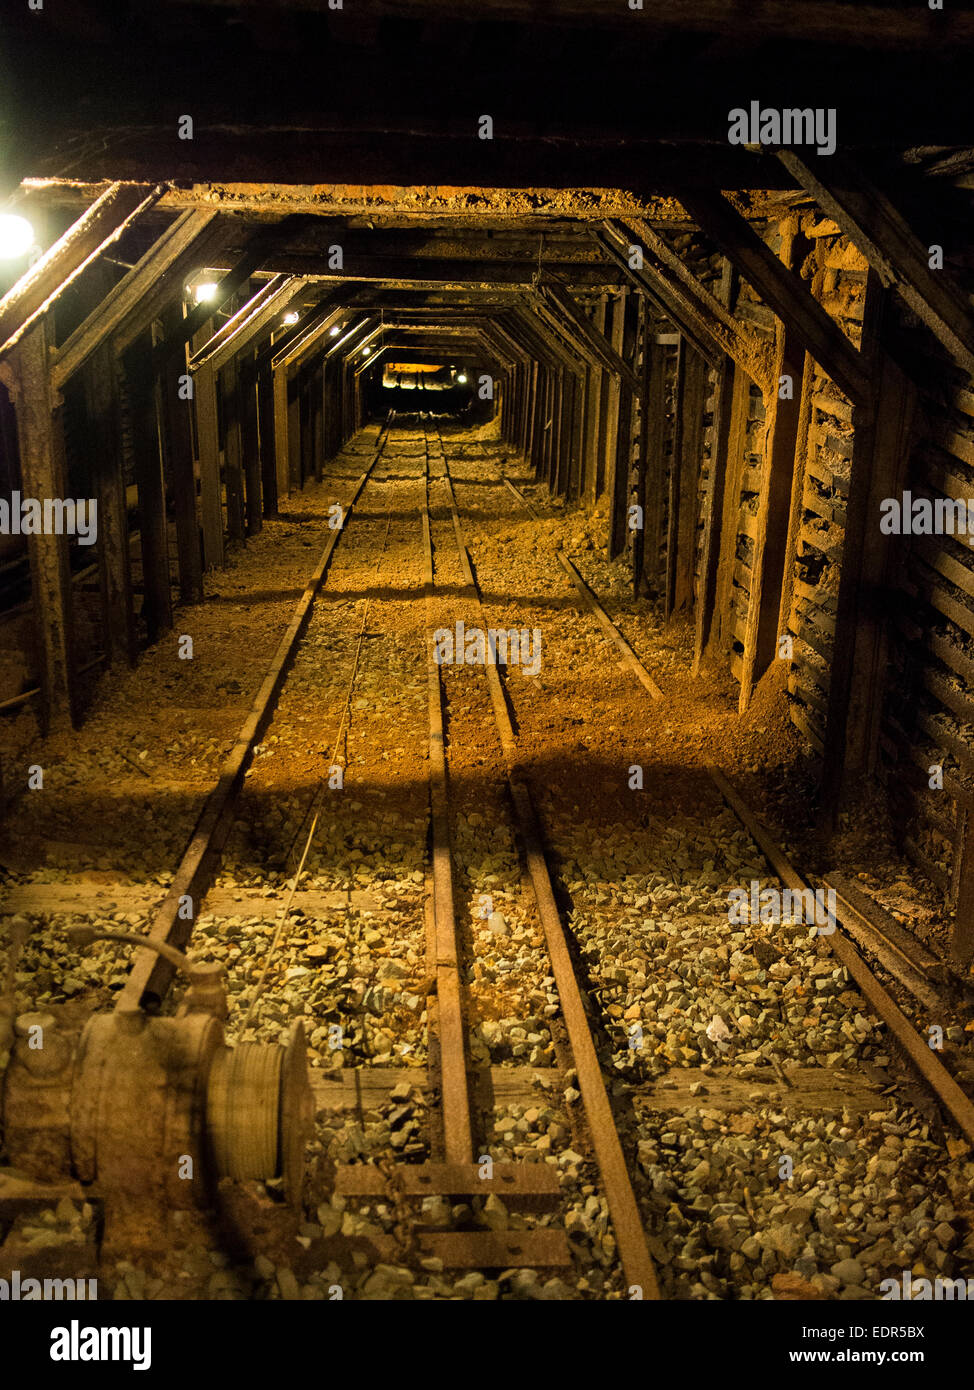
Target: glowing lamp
[(16, 236)]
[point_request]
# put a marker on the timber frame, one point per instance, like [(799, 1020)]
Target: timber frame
[(739, 354)]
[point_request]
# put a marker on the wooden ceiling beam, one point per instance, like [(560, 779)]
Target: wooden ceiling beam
[(699, 315), (782, 291), (129, 308), (895, 252), (251, 321), (559, 298), (45, 281)]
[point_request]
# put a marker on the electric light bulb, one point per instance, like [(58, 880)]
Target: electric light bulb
[(16, 236)]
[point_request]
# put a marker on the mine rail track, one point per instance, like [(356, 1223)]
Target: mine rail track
[(152, 972), (927, 978), (460, 1173), (534, 1180)]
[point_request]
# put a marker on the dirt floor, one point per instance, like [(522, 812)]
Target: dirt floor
[(728, 1049)]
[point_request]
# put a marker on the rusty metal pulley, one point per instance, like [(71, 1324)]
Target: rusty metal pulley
[(157, 1110), (258, 1111)]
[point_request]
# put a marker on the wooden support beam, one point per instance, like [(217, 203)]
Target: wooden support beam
[(774, 503), (251, 259), (404, 272), (233, 451), (144, 402), (673, 482), (128, 309), (307, 428), (685, 471), (787, 620), (608, 321), (588, 476), (294, 433), (268, 450), (317, 423), (713, 510), (292, 346), (713, 506), (881, 450), (108, 477), (177, 419), (647, 555), (281, 429), (561, 342), (781, 290), (40, 437), (211, 487), (258, 316), (625, 330), (962, 931), (893, 250), (576, 453), (250, 441), (587, 332), (39, 288), (704, 321), (722, 623)]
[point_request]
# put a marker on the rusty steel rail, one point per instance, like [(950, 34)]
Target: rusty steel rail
[(454, 1088), (629, 657), (933, 1072), (906, 960), (151, 974), (533, 1184), (630, 1235)]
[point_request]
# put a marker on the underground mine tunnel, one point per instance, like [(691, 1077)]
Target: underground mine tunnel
[(487, 690)]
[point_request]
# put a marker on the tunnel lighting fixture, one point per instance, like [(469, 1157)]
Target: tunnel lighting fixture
[(205, 292), (291, 318), (366, 352), (16, 236), (334, 331), (462, 378)]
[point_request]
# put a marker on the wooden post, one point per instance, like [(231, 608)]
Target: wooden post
[(108, 475), (295, 394), (783, 411), (714, 500), (721, 638), (676, 468), (177, 414), (307, 425), (317, 421), (797, 496), (281, 430), (624, 337), (268, 444), (208, 434), (962, 932), (42, 476), (233, 451), (774, 504), (577, 453), (713, 508), (691, 451), (881, 450), (147, 450), (653, 460), (250, 441), (595, 401), (612, 387)]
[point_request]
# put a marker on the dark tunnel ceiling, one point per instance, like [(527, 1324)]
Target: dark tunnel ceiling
[(358, 126), (581, 91)]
